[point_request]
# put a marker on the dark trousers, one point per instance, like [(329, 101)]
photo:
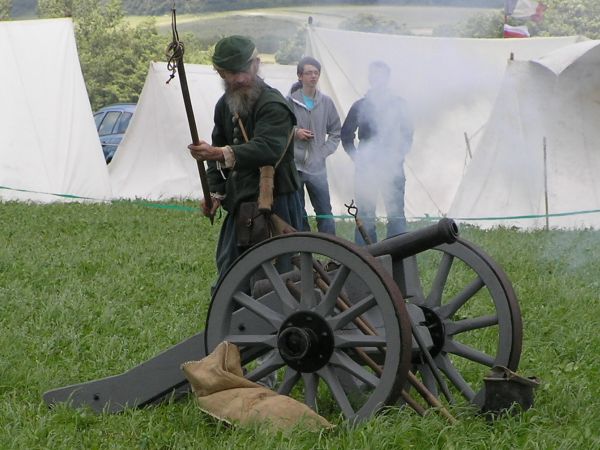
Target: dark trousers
[(317, 187), (367, 192)]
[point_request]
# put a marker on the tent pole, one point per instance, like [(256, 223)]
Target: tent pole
[(546, 185)]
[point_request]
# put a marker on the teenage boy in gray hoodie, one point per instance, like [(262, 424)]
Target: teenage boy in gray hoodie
[(317, 136)]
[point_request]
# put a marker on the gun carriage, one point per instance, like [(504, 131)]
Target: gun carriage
[(344, 328)]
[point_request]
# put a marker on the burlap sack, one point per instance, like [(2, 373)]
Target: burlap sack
[(222, 391)]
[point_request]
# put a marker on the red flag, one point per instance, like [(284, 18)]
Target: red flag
[(515, 32)]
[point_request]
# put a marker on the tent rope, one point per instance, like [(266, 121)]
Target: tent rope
[(420, 183), (339, 66), (175, 49), (194, 209)]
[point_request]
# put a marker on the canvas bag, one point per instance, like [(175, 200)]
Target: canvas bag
[(222, 391)]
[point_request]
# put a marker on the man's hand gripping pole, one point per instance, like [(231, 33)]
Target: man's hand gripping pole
[(175, 63)]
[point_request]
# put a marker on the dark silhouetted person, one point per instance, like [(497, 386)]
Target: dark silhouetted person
[(385, 133)]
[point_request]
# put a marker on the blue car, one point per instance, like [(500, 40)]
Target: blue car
[(112, 122)]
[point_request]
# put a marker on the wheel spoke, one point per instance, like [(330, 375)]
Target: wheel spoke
[(337, 390), (288, 302), (351, 292), (342, 319), (258, 308), (457, 302), (458, 349), (428, 379), (358, 340), (476, 323), (307, 281), (268, 340), (435, 384), (311, 382), (437, 287), (446, 366), (269, 365), (290, 378), (326, 306), (344, 362)]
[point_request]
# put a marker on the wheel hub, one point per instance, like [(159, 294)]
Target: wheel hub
[(305, 341), (436, 330)]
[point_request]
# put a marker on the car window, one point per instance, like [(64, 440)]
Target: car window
[(123, 123), (98, 118), (108, 123)]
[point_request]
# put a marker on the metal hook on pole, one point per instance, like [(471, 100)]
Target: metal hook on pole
[(353, 211)]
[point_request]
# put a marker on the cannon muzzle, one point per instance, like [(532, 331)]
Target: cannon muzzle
[(409, 244)]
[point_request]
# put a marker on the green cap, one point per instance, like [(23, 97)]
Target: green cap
[(233, 53)]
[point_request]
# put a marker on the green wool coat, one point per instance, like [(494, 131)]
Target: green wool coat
[(268, 128)]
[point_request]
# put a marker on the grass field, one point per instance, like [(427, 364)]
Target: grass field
[(89, 291), (269, 27)]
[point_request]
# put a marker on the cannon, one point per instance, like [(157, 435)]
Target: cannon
[(344, 328)]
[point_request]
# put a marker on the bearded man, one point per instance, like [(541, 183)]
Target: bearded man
[(249, 109)]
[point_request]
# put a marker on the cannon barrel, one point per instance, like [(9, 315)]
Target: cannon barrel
[(414, 242)]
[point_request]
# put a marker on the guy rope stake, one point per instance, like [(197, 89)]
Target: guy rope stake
[(175, 64)]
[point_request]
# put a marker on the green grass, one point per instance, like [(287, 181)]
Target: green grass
[(88, 291)]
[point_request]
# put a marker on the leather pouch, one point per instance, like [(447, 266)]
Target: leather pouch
[(252, 225)]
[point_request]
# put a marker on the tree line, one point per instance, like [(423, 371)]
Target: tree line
[(22, 8), (155, 7), (115, 55)]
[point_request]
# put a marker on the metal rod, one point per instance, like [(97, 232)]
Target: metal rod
[(194, 132), (429, 361), (368, 329), (360, 226), (361, 353), (422, 347), (409, 399), (176, 51), (430, 398)]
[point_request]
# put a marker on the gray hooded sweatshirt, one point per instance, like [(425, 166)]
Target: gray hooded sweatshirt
[(324, 121)]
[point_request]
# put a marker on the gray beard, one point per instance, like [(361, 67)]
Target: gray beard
[(242, 101)]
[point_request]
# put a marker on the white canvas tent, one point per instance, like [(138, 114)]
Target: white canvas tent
[(556, 97), (48, 140), (451, 84), (153, 161)]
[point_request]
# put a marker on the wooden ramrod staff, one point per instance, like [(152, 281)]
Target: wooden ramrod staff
[(175, 64)]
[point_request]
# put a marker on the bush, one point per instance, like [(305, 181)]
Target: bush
[(293, 49), (373, 24)]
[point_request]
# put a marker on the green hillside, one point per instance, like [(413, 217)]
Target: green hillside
[(28, 8), (269, 27)]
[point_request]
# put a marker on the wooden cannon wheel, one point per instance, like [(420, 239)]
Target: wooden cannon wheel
[(296, 337), (342, 330), (472, 314)]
